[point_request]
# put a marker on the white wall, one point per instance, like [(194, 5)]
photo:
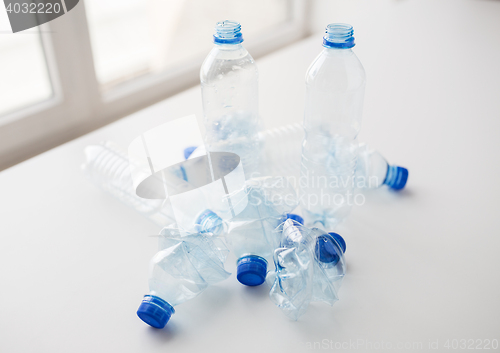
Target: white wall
[(353, 12)]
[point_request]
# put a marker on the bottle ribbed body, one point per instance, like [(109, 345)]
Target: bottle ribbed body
[(109, 168), (335, 84)]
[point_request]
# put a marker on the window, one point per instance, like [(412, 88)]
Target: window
[(136, 37), (24, 75), (107, 58)]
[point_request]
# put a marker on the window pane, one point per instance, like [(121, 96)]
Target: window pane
[(135, 37), (24, 78)]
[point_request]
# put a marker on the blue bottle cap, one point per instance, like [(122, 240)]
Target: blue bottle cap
[(188, 151), (228, 32), (327, 248), (396, 177), (155, 311), (338, 36), (251, 270), (294, 217)]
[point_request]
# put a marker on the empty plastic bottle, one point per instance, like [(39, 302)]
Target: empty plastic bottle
[(251, 234), (110, 169), (229, 87), (335, 84), (373, 171), (184, 268), (310, 267), (282, 158), (283, 147)]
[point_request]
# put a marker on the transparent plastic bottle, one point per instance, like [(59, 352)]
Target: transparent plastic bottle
[(373, 171), (109, 168), (335, 84), (281, 157), (251, 234), (229, 87), (310, 267), (183, 269)]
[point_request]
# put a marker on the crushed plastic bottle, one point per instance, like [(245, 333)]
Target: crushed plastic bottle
[(215, 244), (251, 234), (309, 266), (183, 268), (229, 87), (335, 84)]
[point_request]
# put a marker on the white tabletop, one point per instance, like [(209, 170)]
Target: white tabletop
[(423, 264)]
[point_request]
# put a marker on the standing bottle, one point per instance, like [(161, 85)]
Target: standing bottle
[(335, 85), (229, 88), (373, 171)]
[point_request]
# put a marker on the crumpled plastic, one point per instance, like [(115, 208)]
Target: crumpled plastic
[(300, 277), (204, 252)]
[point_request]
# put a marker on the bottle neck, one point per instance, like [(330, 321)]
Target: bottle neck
[(338, 51), (228, 47)]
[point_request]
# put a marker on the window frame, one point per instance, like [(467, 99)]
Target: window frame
[(78, 106)]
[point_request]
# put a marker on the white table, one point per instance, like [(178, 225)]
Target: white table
[(423, 264)]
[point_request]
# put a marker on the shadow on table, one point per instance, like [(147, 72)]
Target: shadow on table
[(257, 293), (165, 334), (193, 315)]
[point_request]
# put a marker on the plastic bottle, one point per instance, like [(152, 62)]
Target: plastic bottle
[(283, 147), (185, 267), (229, 87), (251, 234), (310, 267), (108, 167), (282, 158), (373, 171), (335, 84)]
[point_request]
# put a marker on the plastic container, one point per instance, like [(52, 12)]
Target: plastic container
[(335, 84), (183, 269), (109, 168), (309, 266), (229, 87)]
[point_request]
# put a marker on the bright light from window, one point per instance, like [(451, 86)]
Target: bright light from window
[(24, 78), (134, 37)]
